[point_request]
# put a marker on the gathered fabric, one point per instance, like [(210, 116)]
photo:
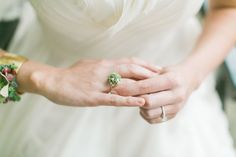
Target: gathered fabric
[(159, 31)]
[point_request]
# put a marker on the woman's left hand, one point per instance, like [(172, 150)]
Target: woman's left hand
[(170, 89)]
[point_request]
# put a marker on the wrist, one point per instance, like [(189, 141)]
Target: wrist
[(32, 77), (194, 75)]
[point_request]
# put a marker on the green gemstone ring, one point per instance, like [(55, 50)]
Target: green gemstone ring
[(114, 79)]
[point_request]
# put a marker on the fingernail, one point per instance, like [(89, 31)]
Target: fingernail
[(141, 101), (158, 67)]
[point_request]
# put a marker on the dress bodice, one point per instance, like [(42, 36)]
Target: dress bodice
[(162, 31), (95, 28)]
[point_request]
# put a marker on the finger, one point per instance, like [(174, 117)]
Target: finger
[(134, 71), (142, 63), (157, 120), (147, 86), (123, 87), (159, 99), (116, 100), (115, 90), (157, 112)]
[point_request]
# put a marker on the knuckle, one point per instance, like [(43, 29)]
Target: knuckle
[(148, 101), (181, 96), (112, 100), (131, 69), (104, 62), (144, 87), (172, 81), (129, 101)]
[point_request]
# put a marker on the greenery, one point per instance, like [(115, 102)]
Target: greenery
[(9, 83)]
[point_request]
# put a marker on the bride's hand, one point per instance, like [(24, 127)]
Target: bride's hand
[(84, 83), (169, 89)]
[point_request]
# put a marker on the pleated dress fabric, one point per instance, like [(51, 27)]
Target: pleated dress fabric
[(158, 31)]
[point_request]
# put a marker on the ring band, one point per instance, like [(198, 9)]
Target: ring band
[(114, 79), (163, 114)]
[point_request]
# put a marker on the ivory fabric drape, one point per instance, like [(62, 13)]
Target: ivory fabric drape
[(158, 31)]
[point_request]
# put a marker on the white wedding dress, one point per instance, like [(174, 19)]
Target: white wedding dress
[(158, 31)]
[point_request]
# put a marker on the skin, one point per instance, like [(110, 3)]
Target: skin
[(84, 83), (143, 85)]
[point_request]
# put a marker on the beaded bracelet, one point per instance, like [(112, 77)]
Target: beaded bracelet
[(8, 84)]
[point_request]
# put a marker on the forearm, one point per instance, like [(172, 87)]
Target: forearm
[(217, 39)]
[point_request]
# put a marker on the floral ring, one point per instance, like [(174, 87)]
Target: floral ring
[(114, 79)]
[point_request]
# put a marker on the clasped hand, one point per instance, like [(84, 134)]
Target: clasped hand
[(142, 85)]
